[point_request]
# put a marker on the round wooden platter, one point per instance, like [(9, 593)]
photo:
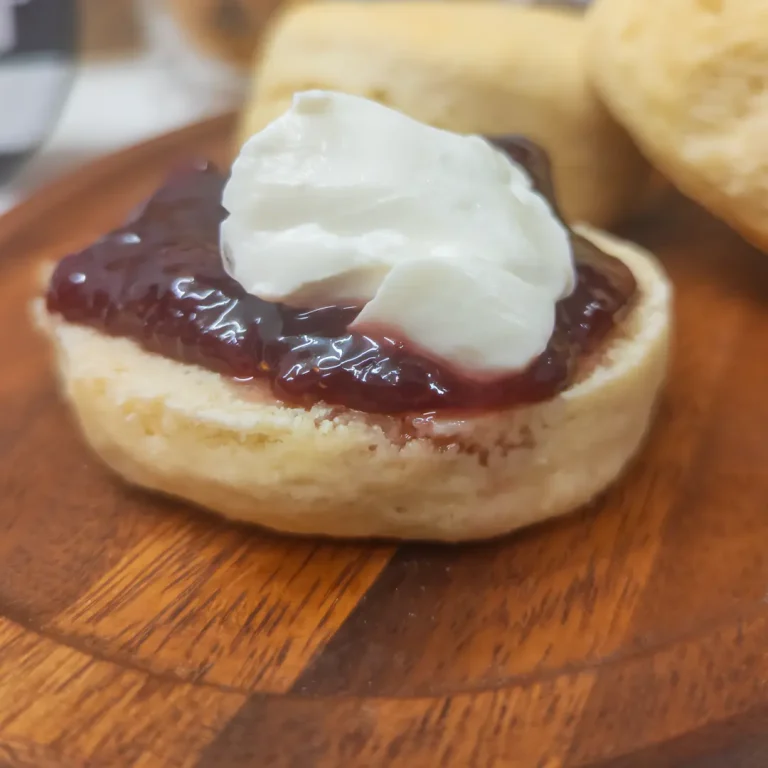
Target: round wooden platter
[(138, 632)]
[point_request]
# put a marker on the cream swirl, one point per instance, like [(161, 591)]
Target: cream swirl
[(440, 237)]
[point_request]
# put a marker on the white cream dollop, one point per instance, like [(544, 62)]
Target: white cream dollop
[(441, 236)]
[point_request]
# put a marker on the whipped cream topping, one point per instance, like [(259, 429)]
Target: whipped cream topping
[(440, 236)]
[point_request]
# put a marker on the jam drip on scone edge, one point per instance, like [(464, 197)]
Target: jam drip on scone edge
[(159, 280)]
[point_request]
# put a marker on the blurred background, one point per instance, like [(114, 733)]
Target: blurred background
[(82, 78)]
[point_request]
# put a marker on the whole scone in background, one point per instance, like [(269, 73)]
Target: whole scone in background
[(689, 80), (470, 67)]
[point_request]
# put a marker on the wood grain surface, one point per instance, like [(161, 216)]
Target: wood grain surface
[(137, 632)]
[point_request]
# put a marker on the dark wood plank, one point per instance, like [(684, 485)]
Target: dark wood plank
[(207, 603), (657, 698), (738, 742), (77, 710), (527, 727)]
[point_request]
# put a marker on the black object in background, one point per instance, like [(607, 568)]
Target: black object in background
[(38, 43)]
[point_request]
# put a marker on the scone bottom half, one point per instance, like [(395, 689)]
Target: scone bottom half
[(184, 384)]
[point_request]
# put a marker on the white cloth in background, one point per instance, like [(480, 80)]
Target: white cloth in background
[(31, 92), (111, 106)]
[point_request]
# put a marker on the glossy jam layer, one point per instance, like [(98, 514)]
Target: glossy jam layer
[(159, 280)]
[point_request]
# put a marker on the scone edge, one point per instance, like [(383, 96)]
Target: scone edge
[(189, 433)]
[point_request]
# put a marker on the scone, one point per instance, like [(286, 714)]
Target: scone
[(326, 419), (472, 67), (689, 81)]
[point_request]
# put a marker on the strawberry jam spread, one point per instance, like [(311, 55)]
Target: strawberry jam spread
[(159, 280)]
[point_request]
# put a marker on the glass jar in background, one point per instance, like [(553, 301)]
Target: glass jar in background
[(208, 44), (37, 52)]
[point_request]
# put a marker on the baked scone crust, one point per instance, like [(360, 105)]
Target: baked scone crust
[(689, 80), (470, 66), (190, 433)]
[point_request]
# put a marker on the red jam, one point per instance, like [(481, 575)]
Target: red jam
[(159, 280)]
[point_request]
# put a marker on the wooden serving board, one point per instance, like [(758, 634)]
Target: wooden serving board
[(138, 632)]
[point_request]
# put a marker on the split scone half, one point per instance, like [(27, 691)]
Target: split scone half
[(470, 66), (193, 434), (689, 81)]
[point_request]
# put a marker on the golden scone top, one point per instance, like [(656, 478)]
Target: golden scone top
[(470, 66), (689, 81)]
